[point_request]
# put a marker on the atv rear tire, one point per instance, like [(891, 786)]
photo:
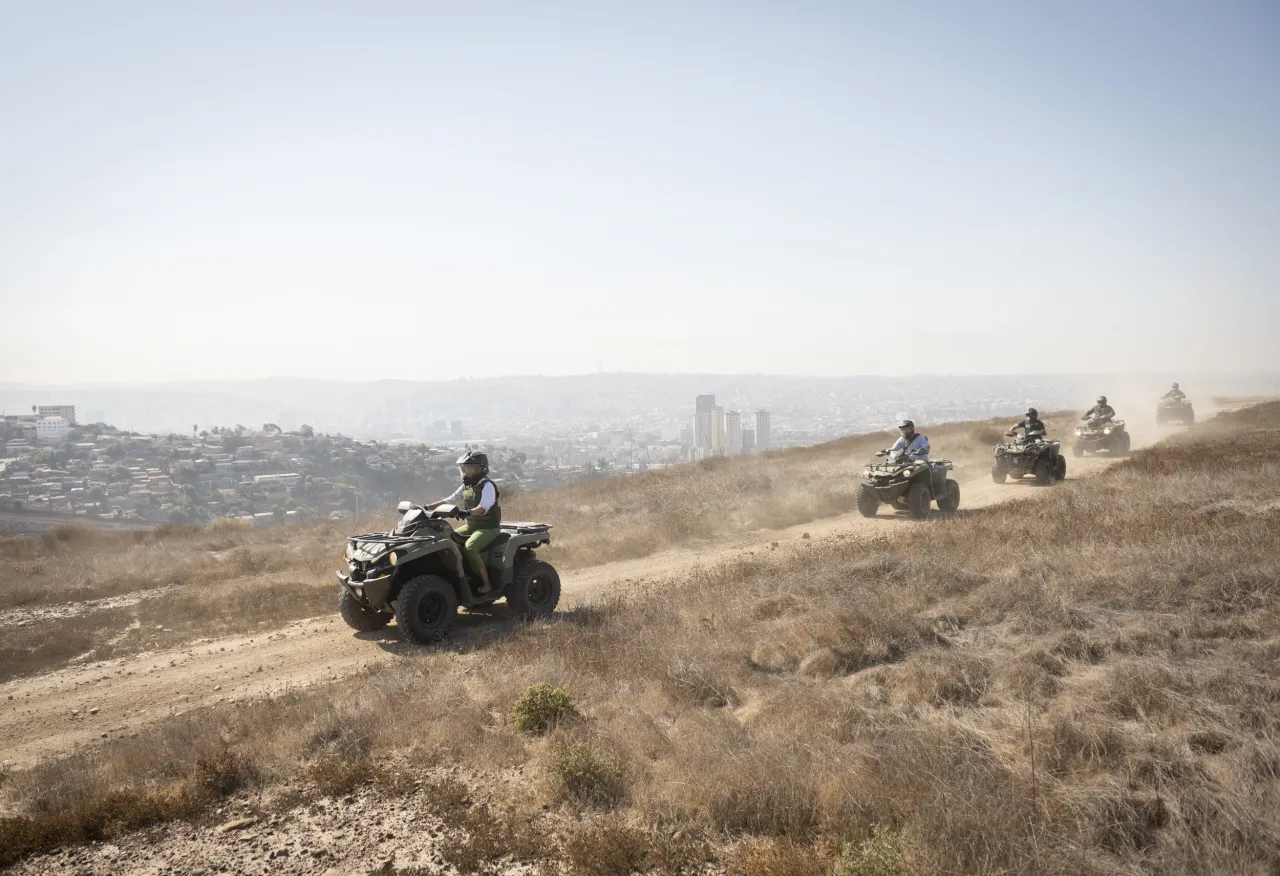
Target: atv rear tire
[(1077, 450), (918, 500), (868, 501), (534, 590), (951, 502), (1043, 472), (1060, 472), (998, 475), (366, 620), (426, 608)]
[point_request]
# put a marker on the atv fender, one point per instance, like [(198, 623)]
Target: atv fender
[(453, 562)]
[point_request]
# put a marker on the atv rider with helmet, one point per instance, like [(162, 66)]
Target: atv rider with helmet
[(1175, 393), (1032, 428), (1100, 411), (477, 496), (915, 444)]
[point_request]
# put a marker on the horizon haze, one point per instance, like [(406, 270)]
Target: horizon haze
[(430, 191)]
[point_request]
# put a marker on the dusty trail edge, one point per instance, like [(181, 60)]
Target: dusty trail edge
[(60, 712)]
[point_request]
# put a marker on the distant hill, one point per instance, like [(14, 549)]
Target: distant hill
[(378, 409)]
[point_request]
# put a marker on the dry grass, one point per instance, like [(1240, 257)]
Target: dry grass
[(78, 563), (723, 496), (167, 587), (1085, 684)]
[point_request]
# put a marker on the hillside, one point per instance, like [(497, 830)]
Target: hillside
[(1082, 681)]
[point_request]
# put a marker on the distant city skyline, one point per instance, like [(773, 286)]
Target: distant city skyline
[(434, 190)]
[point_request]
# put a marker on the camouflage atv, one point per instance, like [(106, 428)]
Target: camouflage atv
[(907, 484), (1097, 435), (416, 573), (1029, 455), (1169, 410)]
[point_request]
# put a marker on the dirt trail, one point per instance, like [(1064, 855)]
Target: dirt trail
[(53, 714)]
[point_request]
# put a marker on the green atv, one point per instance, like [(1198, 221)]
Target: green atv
[(903, 482), (1169, 410), (1101, 434), (1029, 454), (416, 574)]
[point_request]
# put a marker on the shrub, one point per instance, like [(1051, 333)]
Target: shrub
[(580, 772), (882, 854), (541, 707)]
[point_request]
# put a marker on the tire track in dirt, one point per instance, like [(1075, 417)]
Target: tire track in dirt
[(56, 713)]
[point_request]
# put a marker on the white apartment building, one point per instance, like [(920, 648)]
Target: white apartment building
[(67, 412), (52, 429), (732, 431), (762, 430), (717, 430)]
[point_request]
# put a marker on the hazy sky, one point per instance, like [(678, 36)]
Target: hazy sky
[(431, 190)]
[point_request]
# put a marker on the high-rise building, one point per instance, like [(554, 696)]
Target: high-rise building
[(732, 433), (455, 426), (762, 430), (717, 430), (748, 440), (703, 407)]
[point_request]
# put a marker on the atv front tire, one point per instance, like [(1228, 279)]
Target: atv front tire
[(918, 500), (1043, 472), (366, 620), (426, 608), (1123, 444), (868, 501), (1190, 418), (951, 502), (1061, 469), (1077, 450), (534, 590), (998, 475)]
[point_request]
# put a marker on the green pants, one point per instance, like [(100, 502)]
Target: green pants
[(473, 541)]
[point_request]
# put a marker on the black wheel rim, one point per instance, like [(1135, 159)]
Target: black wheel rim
[(539, 590), (431, 610)]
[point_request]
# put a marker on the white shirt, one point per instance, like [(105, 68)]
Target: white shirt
[(918, 449), (488, 496)]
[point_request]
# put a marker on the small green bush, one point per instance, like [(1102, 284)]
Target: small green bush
[(880, 855), (540, 707), (580, 772)]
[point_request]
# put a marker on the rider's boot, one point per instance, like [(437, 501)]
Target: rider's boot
[(485, 586)]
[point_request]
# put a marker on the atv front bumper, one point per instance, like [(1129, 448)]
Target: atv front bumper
[(373, 592), (889, 493)]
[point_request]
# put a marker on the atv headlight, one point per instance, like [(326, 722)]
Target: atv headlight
[(347, 555), (394, 559), (1079, 430), (1106, 431), (866, 473)]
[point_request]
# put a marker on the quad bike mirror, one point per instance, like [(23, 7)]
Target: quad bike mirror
[(403, 507)]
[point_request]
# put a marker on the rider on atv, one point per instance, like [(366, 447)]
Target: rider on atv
[(1175, 393), (478, 496), (1032, 428), (915, 444), (1100, 411)]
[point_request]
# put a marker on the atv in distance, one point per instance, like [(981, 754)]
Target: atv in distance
[(903, 482), (416, 573), (1029, 455), (1102, 434), (1169, 410)]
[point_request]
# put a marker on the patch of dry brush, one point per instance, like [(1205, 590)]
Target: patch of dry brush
[(1087, 684)]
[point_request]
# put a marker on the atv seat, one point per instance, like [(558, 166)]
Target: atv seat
[(498, 542)]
